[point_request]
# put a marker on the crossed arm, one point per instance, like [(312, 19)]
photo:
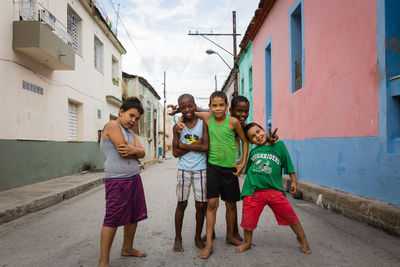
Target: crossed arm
[(113, 132), (180, 149)]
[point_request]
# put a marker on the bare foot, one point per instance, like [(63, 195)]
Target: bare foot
[(205, 253), (178, 245), (304, 245), (199, 243), (237, 236), (132, 253), (243, 247), (232, 240)]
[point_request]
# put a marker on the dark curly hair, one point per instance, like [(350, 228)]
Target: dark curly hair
[(132, 102)]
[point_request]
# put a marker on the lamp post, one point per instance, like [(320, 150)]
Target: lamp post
[(210, 52)]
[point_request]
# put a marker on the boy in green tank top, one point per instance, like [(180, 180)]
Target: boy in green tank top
[(222, 171)]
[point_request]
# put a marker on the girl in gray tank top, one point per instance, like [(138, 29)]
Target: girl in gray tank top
[(125, 200), (115, 165)]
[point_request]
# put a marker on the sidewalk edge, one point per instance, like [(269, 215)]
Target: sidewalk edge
[(373, 212), (42, 203)]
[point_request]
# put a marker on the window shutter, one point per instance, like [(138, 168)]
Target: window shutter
[(72, 121), (98, 54), (73, 24)]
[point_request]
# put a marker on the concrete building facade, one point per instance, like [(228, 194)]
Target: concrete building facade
[(328, 75), (148, 127), (60, 72)]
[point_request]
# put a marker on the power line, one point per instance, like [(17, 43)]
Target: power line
[(134, 44)]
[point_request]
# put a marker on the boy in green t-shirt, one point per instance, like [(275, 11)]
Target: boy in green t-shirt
[(263, 186)]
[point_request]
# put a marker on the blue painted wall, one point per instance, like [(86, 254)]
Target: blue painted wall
[(366, 166), (245, 65)]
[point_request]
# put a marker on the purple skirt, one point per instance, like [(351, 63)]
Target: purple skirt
[(125, 201)]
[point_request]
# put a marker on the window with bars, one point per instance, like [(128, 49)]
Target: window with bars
[(74, 29), (114, 71), (296, 28), (98, 54), (72, 121), (148, 120)]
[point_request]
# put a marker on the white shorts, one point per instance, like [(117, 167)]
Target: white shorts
[(185, 179)]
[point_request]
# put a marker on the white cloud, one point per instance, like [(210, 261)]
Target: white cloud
[(160, 31)]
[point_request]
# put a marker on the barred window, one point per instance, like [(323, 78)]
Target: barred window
[(148, 120), (98, 54), (74, 29), (72, 121)]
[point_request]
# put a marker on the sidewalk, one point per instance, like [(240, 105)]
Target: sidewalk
[(22, 200), (370, 211)]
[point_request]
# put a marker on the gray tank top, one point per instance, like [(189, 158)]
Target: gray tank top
[(115, 165)]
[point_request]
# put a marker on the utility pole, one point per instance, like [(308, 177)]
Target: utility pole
[(216, 87), (165, 115), (116, 26), (235, 83), (234, 34)]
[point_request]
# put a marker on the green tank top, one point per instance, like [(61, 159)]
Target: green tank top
[(222, 150)]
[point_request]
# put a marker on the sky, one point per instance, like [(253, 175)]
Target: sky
[(155, 35)]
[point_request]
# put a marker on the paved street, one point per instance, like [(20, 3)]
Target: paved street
[(67, 234)]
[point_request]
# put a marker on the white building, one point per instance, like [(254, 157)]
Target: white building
[(60, 73)]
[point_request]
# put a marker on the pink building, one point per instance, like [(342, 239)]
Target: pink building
[(329, 74)]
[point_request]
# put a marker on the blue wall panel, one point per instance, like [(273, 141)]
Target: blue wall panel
[(355, 165)]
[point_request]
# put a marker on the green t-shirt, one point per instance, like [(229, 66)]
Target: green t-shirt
[(264, 168)]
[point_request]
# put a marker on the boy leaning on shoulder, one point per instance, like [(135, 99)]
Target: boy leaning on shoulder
[(263, 186)]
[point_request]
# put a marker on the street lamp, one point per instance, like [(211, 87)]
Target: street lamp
[(210, 52)]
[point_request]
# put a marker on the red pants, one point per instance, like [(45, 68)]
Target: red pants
[(254, 205)]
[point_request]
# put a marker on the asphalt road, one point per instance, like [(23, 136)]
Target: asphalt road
[(67, 234)]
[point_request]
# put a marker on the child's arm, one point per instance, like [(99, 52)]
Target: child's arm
[(175, 109), (205, 116), (245, 145), (177, 152), (132, 152), (293, 186), (200, 145)]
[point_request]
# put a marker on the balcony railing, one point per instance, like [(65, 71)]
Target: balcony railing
[(33, 11)]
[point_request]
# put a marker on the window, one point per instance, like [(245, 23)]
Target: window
[(242, 86), (250, 96), (99, 114), (141, 120), (392, 69), (72, 121), (268, 84), (114, 71), (98, 54), (296, 30), (148, 120), (32, 87), (74, 29)]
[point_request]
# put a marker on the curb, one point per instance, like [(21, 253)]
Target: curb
[(45, 202), (371, 211)]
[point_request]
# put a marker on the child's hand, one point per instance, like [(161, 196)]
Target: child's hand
[(179, 126), (272, 137), (293, 187), (125, 149), (239, 168), (174, 109)]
